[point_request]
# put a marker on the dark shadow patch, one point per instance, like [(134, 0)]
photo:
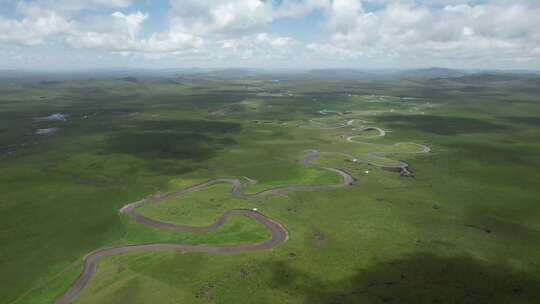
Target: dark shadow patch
[(49, 82), (130, 79), (95, 94), (472, 89), (533, 121), (417, 279), (499, 154), (173, 140), (205, 101), (486, 78), (441, 125), (178, 146), (170, 168), (191, 126)]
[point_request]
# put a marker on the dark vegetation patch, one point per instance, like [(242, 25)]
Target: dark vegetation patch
[(530, 86), (49, 82), (171, 81), (131, 79), (319, 239), (519, 101), (533, 121), (94, 93), (192, 146), (441, 125), (486, 78), (419, 279), (431, 89), (174, 140), (192, 126), (431, 73), (499, 154), (203, 101), (472, 89), (481, 228), (170, 168)]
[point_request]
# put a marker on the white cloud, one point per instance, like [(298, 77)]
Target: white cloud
[(500, 29), (45, 20), (171, 41), (275, 41), (74, 5), (326, 50), (343, 15), (353, 31), (116, 32), (219, 16), (34, 28), (299, 8), (218, 26)]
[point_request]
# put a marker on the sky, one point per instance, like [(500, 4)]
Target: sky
[(290, 34)]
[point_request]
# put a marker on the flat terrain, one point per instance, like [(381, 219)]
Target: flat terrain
[(352, 189)]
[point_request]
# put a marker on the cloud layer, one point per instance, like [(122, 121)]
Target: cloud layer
[(280, 33)]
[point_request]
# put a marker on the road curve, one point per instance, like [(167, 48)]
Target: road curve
[(400, 166), (316, 125), (324, 112), (278, 233), (381, 132)]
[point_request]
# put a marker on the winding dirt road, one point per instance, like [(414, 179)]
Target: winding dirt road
[(278, 233), (400, 166), (381, 132), (316, 125), (325, 112)]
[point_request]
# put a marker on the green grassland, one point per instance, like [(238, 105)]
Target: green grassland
[(465, 229)]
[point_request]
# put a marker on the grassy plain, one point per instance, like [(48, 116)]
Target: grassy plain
[(466, 229)]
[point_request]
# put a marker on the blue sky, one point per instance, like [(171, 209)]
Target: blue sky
[(80, 34)]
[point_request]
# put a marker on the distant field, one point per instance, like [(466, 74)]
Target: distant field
[(464, 229)]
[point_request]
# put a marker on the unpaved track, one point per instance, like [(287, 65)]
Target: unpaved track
[(400, 165), (325, 112), (316, 125), (278, 233), (381, 132)]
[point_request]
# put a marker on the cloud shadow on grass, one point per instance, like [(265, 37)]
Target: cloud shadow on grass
[(532, 121), (418, 279), (194, 140), (441, 125)]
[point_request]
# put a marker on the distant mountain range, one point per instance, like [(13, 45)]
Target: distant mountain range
[(467, 76)]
